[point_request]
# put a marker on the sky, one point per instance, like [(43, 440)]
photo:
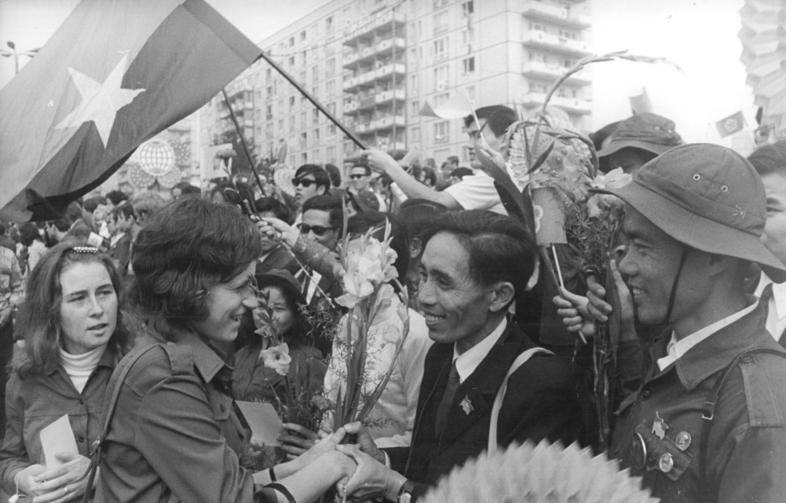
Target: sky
[(700, 36)]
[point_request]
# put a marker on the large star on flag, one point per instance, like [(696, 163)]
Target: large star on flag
[(100, 101)]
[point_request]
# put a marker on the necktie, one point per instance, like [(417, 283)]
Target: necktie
[(447, 399)]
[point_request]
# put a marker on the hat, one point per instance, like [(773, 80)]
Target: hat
[(282, 279), (707, 197), (645, 131)]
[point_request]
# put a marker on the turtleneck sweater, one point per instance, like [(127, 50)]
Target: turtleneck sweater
[(79, 367)]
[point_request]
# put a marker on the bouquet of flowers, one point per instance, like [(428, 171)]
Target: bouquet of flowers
[(542, 473), (369, 270)]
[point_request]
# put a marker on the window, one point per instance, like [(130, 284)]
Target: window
[(467, 8), (440, 48), (303, 139), (331, 107), (291, 102), (330, 154), (330, 69), (315, 120), (468, 65), (415, 107), (291, 41), (441, 131), (316, 135), (441, 78), (302, 35), (441, 99), (291, 61), (440, 21), (331, 130), (304, 157), (329, 25), (330, 87), (414, 134), (413, 84)]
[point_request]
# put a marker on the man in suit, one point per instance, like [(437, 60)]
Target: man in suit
[(473, 265)]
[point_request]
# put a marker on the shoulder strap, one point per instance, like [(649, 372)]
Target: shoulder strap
[(114, 394), (708, 409), (495, 409)]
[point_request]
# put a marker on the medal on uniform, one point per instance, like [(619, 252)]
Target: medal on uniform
[(683, 440), (666, 462), (659, 426), (466, 406)]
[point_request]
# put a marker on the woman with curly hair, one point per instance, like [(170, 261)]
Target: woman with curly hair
[(70, 321)]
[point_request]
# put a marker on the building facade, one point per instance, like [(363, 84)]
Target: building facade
[(374, 64)]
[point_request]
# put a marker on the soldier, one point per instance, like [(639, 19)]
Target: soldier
[(708, 423)]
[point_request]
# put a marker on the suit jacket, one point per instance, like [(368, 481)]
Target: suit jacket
[(539, 403)]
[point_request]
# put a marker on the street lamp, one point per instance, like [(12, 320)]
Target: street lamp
[(13, 53)]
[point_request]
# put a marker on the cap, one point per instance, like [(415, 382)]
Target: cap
[(645, 131), (282, 279), (708, 197)]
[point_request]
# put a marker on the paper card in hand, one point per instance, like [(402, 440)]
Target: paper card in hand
[(263, 420), (57, 438)]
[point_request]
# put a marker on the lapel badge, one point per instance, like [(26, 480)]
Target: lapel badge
[(666, 462), (659, 426), (683, 440), (466, 406)]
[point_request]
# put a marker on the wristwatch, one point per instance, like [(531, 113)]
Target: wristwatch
[(405, 493)]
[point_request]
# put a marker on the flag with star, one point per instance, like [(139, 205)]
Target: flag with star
[(114, 74)]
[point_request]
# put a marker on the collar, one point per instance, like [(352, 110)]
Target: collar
[(778, 301), (468, 361), (207, 359), (108, 359), (677, 348), (715, 353)]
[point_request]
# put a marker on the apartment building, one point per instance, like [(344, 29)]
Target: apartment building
[(374, 64)]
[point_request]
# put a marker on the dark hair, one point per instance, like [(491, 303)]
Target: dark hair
[(191, 190), (39, 317), (28, 232), (499, 247), (334, 174), (331, 204), (91, 204), (2, 228), (146, 204), (453, 159), (116, 197), (319, 174), (126, 210), (187, 247), (430, 175), (296, 336), (274, 206), (219, 188), (361, 222), (770, 159), (498, 118), (61, 224)]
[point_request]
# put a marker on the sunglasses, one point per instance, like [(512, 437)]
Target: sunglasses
[(317, 229), (305, 182), (357, 177)]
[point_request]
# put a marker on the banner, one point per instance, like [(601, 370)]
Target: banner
[(731, 124)]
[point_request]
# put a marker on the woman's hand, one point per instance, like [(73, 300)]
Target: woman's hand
[(296, 440), (378, 160), (58, 484)]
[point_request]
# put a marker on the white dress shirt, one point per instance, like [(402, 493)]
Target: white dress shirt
[(776, 308), (468, 361), (676, 348)]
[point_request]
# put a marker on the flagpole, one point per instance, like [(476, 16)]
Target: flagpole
[(314, 101), (242, 140)]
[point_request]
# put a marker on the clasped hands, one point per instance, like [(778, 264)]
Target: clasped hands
[(56, 484)]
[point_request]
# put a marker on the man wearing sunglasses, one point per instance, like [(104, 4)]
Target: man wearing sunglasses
[(310, 180), (474, 192), (322, 221)]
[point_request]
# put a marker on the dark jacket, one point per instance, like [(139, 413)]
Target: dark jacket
[(36, 401), (539, 404), (278, 258), (746, 442)]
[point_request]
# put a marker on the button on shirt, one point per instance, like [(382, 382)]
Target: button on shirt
[(676, 348)]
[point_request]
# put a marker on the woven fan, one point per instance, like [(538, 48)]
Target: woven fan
[(546, 473)]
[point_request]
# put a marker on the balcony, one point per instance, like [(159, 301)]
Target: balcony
[(381, 49), (364, 30), (548, 41), (575, 105), (550, 72), (363, 127), (555, 14), (386, 123), (533, 98), (368, 78), (393, 94), (350, 108)]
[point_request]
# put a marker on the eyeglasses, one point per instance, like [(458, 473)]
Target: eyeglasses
[(357, 177), (318, 230), (305, 182)]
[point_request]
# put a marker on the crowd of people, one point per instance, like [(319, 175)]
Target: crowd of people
[(138, 316)]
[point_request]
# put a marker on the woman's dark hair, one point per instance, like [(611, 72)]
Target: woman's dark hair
[(188, 246), (360, 223), (499, 247), (39, 317), (770, 159), (300, 329), (334, 174), (274, 206)]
